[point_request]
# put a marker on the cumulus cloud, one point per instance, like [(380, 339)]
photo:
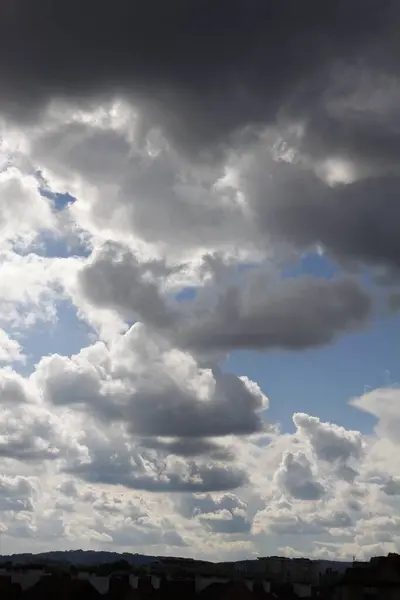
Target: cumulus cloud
[(132, 188), (116, 280), (155, 389), (30, 433), (17, 493), (224, 514), (331, 443), (151, 472), (190, 161), (257, 311), (297, 479), (23, 211), (286, 522), (392, 487), (292, 314), (99, 469), (30, 286), (10, 349), (383, 404)]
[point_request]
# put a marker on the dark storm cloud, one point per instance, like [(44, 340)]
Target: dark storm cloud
[(202, 69), (360, 135), (356, 223)]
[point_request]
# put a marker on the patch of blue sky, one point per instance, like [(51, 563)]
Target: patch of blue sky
[(186, 294), (313, 264), (66, 336), (191, 292), (52, 245), (59, 201), (322, 266), (321, 381)]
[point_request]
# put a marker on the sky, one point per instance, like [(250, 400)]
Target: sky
[(200, 277)]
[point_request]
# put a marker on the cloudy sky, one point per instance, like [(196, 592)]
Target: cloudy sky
[(200, 277)]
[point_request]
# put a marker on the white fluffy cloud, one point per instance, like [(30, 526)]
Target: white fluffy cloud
[(10, 349), (248, 491), (24, 212), (332, 444)]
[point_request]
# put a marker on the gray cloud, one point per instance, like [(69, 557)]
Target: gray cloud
[(210, 74), (97, 153), (167, 202), (355, 223), (116, 280), (136, 186), (292, 314), (312, 524), (189, 447), (334, 520), (155, 390), (296, 478), (132, 472), (364, 137), (232, 408), (255, 311), (13, 389), (258, 56), (331, 443), (68, 488), (16, 493), (392, 487), (224, 514), (325, 68), (158, 412)]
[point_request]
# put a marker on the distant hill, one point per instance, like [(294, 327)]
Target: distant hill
[(79, 557), (91, 558)]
